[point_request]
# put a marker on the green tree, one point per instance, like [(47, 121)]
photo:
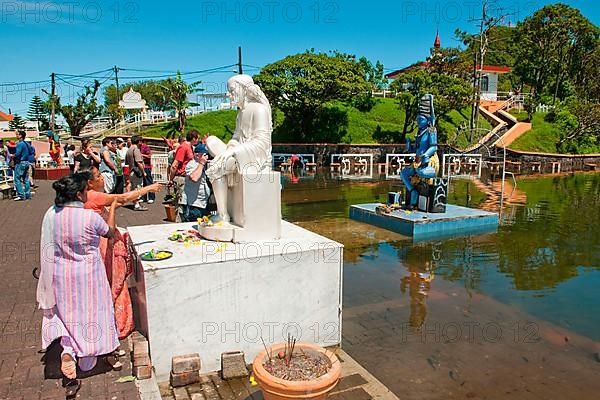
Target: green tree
[(450, 61), (580, 123), (84, 110), (302, 85), (374, 74), (176, 91), (553, 45), (17, 123), (38, 113), (449, 93)]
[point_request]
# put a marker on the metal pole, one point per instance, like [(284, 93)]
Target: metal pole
[(52, 112), (116, 69), (240, 69)]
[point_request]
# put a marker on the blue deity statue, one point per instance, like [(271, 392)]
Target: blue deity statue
[(426, 162)]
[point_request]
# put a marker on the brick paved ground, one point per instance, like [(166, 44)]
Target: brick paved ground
[(21, 369)]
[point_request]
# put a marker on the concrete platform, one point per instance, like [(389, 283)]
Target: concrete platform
[(420, 225), (211, 298)]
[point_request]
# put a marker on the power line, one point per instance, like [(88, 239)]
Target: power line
[(99, 75), (25, 83), (88, 74)]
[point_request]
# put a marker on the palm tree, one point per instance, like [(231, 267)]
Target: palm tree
[(177, 91)]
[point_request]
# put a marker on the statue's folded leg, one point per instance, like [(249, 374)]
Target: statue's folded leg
[(410, 189), (426, 172), (215, 146)]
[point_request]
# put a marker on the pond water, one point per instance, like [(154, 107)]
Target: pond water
[(536, 280)]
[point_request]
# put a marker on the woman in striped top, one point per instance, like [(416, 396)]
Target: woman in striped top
[(73, 290)]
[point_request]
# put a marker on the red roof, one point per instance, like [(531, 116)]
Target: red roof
[(486, 68), (6, 117), (420, 65), (496, 68)]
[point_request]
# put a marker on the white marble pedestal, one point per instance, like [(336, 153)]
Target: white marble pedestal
[(218, 297)]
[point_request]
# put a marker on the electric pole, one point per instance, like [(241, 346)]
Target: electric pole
[(52, 101), (116, 69), (240, 70), (487, 23)]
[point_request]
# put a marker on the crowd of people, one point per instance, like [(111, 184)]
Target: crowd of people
[(84, 255)]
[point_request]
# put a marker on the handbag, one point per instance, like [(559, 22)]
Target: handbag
[(137, 171)]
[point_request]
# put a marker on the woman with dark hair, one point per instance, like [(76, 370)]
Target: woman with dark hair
[(73, 290), (114, 250), (86, 158)]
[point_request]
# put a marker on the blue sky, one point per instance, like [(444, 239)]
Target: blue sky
[(81, 36)]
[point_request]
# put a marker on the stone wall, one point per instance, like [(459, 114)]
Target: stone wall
[(323, 151), (568, 162)]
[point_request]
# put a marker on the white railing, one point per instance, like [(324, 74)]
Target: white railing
[(457, 164), (160, 167), (281, 158), (354, 166), (384, 93), (394, 163), (544, 108)]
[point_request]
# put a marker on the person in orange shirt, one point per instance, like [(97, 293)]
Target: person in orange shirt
[(114, 250)]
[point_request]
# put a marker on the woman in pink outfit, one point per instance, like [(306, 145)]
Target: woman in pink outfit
[(73, 290)]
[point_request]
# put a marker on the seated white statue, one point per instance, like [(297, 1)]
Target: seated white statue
[(249, 150)]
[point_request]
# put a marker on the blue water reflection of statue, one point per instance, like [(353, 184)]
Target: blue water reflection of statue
[(426, 162)]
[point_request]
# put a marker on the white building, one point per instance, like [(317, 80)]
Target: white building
[(489, 81)]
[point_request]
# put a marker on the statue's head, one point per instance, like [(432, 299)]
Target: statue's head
[(236, 88), (426, 114)]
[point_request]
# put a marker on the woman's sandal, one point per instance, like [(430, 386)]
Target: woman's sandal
[(113, 361), (72, 387)]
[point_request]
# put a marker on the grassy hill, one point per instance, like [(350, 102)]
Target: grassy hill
[(544, 136), (217, 123), (383, 123)]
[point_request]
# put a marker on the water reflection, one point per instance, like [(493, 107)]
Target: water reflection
[(546, 252), (421, 272)]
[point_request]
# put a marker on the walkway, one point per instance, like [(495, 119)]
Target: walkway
[(21, 370)]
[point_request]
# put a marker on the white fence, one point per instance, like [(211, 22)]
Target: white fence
[(354, 166), (544, 108), (395, 162), (160, 167), (456, 164), (281, 158)]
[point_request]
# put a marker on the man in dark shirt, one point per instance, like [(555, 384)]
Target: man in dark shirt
[(24, 155), (147, 156), (134, 159)]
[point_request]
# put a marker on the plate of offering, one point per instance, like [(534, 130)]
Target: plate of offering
[(156, 255), (182, 235)]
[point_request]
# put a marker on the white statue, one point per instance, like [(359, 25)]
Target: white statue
[(249, 150)]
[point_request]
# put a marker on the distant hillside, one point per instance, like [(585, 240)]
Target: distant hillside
[(382, 124), (544, 136)]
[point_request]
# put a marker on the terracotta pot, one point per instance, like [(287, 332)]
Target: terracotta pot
[(171, 212), (279, 389)]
